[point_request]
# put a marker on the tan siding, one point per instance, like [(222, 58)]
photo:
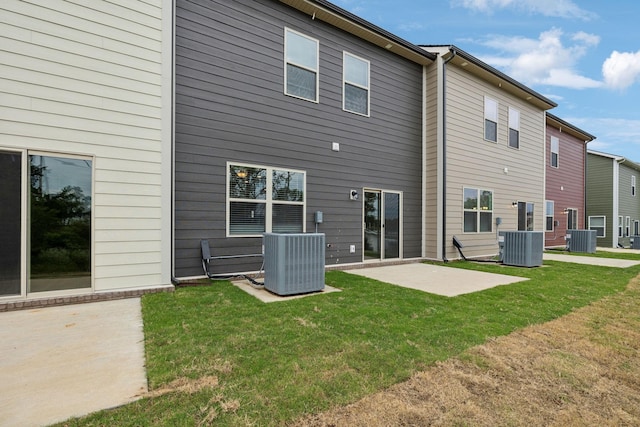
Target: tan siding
[(477, 163), (86, 78)]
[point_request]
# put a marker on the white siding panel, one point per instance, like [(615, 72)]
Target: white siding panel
[(86, 78)]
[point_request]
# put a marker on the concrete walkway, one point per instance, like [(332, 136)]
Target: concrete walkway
[(604, 262), (435, 279), (60, 362)]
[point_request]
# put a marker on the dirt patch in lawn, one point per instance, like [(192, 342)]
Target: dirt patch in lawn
[(580, 370)]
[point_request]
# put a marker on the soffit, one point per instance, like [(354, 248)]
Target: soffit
[(330, 14)]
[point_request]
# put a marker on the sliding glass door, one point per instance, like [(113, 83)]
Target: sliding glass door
[(51, 239), (382, 225), (10, 222)]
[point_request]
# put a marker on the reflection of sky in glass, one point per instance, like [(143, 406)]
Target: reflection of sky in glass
[(62, 172)]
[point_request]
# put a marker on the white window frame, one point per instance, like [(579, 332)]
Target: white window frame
[(315, 70), (267, 201), (549, 207), (627, 226), (477, 209), (555, 149), (604, 224), (491, 115), (514, 124), (346, 82), (620, 226), (633, 185)]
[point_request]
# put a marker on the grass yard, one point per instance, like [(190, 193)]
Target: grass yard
[(216, 355)]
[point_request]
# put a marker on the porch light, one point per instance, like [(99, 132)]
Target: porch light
[(242, 173)]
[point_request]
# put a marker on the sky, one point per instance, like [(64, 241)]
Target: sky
[(582, 54)]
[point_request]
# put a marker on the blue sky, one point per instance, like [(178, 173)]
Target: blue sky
[(584, 55)]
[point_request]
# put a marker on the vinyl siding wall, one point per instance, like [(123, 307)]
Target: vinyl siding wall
[(565, 184), (433, 214), (600, 195), (476, 163), (230, 107), (629, 206), (85, 78)]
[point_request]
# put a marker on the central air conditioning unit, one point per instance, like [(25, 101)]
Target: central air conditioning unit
[(523, 248), (582, 241), (294, 263), (635, 244)]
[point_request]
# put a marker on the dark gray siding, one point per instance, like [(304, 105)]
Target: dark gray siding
[(600, 194), (230, 106)]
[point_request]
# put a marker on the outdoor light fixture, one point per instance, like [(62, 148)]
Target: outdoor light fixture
[(514, 204), (242, 173)]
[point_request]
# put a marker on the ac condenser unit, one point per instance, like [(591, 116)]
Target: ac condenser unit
[(582, 241), (636, 242), (523, 248), (294, 263)]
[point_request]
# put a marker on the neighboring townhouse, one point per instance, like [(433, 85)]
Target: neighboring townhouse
[(486, 155), (566, 158), (288, 108), (613, 203), (85, 146)]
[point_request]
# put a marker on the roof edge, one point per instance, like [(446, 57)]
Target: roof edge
[(488, 68), (579, 132), (411, 51)]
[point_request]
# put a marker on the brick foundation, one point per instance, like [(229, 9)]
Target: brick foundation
[(78, 299)]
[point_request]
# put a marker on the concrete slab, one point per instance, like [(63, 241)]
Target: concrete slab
[(266, 296), (618, 250), (605, 262), (435, 279), (67, 361)]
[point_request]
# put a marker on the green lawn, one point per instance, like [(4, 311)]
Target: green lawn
[(275, 362)]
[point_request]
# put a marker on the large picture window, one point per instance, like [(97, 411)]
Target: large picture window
[(301, 65), (478, 210), (599, 224), (490, 120), (356, 84), (264, 199)]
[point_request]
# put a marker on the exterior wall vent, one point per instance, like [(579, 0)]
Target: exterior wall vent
[(523, 248), (294, 263), (582, 241)]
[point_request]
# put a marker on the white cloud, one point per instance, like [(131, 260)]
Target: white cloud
[(615, 136), (621, 69), (545, 60), (555, 8)]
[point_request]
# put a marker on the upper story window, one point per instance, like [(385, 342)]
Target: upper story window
[(355, 96), (478, 210), (514, 128), (555, 151), (633, 185), (490, 119), (301, 65), (264, 199)]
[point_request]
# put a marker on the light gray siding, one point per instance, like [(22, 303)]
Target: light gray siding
[(629, 205), (86, 79), (230, 106)]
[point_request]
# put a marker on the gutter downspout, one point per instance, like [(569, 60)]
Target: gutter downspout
[(444, 154)]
